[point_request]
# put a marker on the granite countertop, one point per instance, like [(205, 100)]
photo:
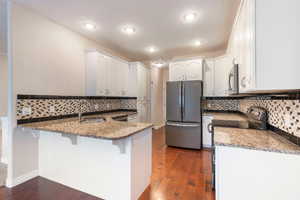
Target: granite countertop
[(227, 116), (110, 129), (253, 139)]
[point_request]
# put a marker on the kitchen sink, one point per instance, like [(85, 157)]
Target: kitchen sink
[(93, 120)]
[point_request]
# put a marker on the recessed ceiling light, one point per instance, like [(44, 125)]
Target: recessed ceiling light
[(152, 49), (190, 17), (159, 63), (90, 26), (198, 43), (129, 30)]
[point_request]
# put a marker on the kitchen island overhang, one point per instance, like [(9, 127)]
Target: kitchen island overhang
[(109, 168)]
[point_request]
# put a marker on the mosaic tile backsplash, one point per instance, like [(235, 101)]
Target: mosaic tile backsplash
[(282, 114), (222, 105), (41, 108)]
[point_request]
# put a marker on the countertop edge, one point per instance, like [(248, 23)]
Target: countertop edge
[(257, 149), (89, 136)]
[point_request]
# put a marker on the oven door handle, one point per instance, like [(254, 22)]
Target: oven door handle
[(183, 125), (209, 128)]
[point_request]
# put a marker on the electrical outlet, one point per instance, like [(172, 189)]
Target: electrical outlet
[(288, 120), (96, 107), (52, 109), (26, 111)]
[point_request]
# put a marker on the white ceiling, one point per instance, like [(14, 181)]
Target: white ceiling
[(158, 23)]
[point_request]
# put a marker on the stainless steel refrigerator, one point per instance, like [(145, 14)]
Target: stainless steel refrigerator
[(184, 120)]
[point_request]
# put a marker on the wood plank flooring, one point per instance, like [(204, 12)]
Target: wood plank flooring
[(178, 174)]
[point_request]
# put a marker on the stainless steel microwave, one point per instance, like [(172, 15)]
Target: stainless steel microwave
[(233, 80)]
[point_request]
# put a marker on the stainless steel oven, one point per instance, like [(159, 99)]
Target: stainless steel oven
[(233, 80)]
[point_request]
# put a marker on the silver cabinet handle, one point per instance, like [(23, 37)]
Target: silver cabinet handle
[(183, 125), (243, 82)]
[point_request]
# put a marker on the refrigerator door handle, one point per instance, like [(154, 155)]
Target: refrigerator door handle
[(180, 100), (183, 125), (183, 101)]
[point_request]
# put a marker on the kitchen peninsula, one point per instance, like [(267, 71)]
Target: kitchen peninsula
[(99, 155)]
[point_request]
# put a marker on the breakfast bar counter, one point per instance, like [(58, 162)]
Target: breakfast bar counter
[(98, 155), (108, 129)]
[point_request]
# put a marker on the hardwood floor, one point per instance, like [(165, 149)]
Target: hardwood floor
[(42, 189), (178, 174)]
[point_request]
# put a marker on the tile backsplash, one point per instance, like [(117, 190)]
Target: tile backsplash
[(282, 113), (53, 107), (222, 105)]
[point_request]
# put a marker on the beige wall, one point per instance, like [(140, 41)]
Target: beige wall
[(3, 85), (48, 59)]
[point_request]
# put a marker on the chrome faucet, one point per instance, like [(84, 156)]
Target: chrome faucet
[(80, 116)]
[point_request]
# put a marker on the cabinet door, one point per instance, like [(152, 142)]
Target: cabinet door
[(132, 80), (193, 70), (144, 104), (243, 46), (101, 73), (122, 75), (112, 76), (243, 49), (91, 73), (223, 66), (208, 78), (177, 71)]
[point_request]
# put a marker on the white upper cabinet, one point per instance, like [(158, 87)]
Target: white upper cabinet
[(107, 76), (265, 42), (132, 80), (208, 77), (222, 68), (101, 74), (186, 70)]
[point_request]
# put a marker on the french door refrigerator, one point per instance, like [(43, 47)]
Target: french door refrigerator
[(184, 120)]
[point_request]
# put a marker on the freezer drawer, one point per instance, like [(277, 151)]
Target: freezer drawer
[(185, 135)]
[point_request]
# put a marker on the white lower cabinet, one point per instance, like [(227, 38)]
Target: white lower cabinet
[(207, 131), (255, 174)]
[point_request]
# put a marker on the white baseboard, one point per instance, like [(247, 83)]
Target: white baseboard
[(22, 179), (206, 146)]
